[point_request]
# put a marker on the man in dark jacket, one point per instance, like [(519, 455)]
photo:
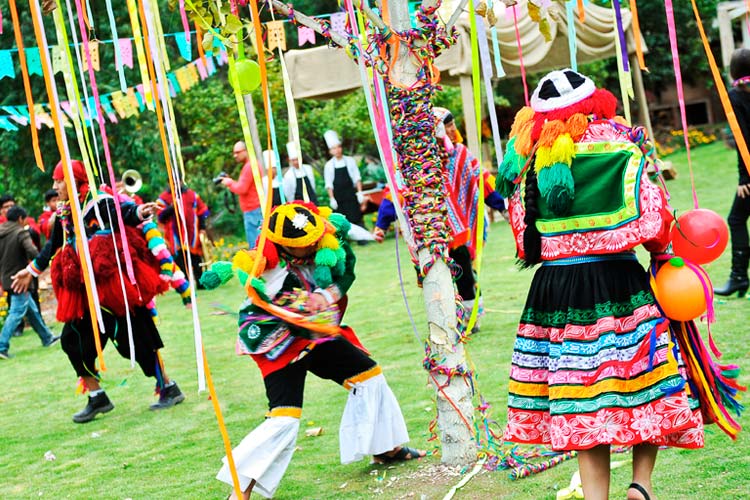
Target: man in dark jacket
[(16, 250)]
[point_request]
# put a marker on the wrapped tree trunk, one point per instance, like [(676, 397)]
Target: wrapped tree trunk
[(410, 90)]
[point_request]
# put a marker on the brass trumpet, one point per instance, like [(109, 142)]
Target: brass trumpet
[(132, 181), (208, 249)]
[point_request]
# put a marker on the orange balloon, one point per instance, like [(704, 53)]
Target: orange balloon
[(679, 291)]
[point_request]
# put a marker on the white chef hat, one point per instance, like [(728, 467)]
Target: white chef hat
[(269, 158), (291, 151), (332, 139)]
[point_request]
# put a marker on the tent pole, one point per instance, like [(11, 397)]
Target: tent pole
[(644, 117), (470, 121)]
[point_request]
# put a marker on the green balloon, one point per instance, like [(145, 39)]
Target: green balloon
[(248, 75)]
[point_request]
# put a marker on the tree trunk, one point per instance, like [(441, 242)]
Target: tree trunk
[(420, 165)]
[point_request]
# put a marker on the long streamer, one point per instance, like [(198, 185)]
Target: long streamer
[(158, 78), (108, 159), (26, 84), (680, 93), (636, 24), (739, 138), (62, 144), (520, 54), (572, 40), (476, 34), (105, 142), (71, 88), (380, 121), (116, 43), (140, 53), (222, 428), (291, 110), (92, 170), (624, 76), (621, 35), (241, 109)]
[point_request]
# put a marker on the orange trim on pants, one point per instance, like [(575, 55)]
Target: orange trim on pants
[(285, 411), (372, 372)]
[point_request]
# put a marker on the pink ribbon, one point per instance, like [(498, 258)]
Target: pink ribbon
[(520, 56), (680, 94), (105, 142)]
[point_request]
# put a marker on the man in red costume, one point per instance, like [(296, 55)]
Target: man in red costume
[(118, 311), (196, 213)]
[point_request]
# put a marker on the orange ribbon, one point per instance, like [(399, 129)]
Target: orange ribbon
[(723, 95), (26, 85), (637, 35)]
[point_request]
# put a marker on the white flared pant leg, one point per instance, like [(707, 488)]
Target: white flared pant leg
[(372, 422), (263, 455)]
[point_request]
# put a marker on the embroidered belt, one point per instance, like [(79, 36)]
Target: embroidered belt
[(587, 259)]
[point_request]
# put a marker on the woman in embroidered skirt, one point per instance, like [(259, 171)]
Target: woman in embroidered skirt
[(593, 365)]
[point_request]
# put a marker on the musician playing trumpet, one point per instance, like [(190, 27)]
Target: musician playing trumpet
[(193, 228)]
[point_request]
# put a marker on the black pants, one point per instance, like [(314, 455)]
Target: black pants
[(195, 260), (77, 340), (737, 221), (335, 360), (465, 281)]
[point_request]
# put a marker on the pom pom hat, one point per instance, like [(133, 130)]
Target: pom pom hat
[(300, 225), (560, 89), (562, 106), (294, 225)]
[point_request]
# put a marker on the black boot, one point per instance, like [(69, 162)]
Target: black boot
[(738, 281), (96, 405), (168, 397)]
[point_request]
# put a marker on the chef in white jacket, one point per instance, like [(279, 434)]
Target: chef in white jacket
[(299, 180)]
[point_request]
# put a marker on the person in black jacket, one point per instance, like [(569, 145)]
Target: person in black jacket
[(739, 96), (117, 312), (16, 249)]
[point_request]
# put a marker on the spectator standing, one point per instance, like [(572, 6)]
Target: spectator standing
[(247, 192), (16, 250), (739, 96), (47, 218), (342, 181)]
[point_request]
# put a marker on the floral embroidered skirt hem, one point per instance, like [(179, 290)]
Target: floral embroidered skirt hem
[(594, 363)]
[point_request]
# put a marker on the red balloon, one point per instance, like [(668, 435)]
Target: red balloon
[(679, 291), (699, 236)]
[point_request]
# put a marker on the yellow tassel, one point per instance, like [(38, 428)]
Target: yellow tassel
[(325, 212), (329, 241), (152, 233), (563, 150), (459, 137), (551, 131), (577, 125), (543, 158), (525, 115), (523, 143), (244, 260)]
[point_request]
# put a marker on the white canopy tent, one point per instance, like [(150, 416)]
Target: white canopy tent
[(324, 72)]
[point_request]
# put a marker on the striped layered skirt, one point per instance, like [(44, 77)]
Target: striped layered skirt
[(594, 362)]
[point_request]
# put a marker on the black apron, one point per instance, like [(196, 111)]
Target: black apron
[(299, 191), (346, 195), (276, 199)]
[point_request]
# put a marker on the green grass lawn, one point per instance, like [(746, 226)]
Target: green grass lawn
[(134, 453)]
